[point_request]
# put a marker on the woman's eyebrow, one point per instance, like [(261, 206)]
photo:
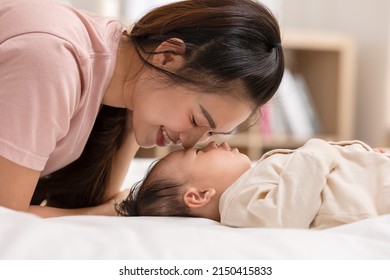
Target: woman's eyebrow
[(208, 117), (212, 123)]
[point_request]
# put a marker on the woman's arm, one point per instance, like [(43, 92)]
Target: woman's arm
[(106, 209), (17, 185)]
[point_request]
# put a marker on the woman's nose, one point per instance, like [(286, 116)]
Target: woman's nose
[(190, 139)]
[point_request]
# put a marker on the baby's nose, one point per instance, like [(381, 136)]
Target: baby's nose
[(210, 146)]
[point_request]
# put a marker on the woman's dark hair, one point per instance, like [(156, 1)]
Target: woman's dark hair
[(154, 197), (83, 182), (226, 41)]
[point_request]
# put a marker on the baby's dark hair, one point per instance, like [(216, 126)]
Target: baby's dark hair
[(154, 196)]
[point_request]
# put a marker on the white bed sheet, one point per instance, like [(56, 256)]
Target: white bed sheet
[(25, 236)]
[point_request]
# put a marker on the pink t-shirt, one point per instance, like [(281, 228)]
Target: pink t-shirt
[(55, 66)]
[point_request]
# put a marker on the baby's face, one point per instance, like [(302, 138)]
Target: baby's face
[(216, 166)]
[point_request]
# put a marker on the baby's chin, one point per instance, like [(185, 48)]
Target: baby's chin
[(247, 160), (249, 166)]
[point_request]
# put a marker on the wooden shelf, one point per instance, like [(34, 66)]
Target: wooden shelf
[(327, 61)]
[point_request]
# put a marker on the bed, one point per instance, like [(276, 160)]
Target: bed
[(25, 236)]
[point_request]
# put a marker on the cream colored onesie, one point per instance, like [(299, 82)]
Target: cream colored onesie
[(320, 185)]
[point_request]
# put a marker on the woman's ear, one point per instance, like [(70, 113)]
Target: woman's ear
[(195, 198), (169, 54)]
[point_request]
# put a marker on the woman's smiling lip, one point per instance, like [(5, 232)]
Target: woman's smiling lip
[(163, 138), (160, 138)]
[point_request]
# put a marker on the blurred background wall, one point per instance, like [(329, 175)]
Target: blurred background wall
[(366, 21)]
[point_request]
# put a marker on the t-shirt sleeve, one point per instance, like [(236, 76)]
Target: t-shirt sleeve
[(40, 87)]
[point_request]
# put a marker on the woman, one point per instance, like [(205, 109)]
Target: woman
[(80, 93)]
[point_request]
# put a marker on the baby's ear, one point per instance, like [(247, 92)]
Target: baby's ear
[(195, 198)]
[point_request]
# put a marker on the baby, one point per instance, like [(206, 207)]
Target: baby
[(319, 185)]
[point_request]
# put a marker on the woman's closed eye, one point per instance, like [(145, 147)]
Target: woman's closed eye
[(194, 123)]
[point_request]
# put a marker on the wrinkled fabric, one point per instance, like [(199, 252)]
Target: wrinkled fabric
[(320, 185)]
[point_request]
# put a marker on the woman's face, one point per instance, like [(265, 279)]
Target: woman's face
[(174, 114)]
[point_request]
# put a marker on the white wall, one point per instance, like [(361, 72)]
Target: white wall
[(368, 21), (133, 9), (103, 7)]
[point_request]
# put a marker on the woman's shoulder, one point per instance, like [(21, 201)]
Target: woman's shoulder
[(23, 16), (48, 17)]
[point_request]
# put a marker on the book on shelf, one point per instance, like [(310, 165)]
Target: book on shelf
[(291, 112)]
